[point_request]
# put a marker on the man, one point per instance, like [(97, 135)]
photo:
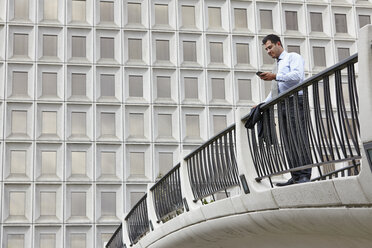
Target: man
[(288, 72)]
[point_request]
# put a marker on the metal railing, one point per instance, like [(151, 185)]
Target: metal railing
[(138, 220), (299, 133), (116, 241), (167, 194), (212, 166)]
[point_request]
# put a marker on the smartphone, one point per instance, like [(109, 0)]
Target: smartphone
[(259, 73)]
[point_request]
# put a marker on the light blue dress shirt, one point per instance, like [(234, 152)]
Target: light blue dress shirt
[(290, 72)]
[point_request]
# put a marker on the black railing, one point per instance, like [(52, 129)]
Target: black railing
[(138, 220), (167, 194), (212, 167), (116, 241), (308, 126)]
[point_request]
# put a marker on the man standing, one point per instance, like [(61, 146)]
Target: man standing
[(288, 72)]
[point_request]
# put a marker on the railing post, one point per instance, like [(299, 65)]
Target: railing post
[(151, 208), (126, 239)]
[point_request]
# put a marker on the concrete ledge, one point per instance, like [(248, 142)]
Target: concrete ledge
[(259, 201), (218, 208), (349, 191)]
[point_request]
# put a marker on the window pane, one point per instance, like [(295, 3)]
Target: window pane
[(135, 48), (216, 52), (17, 203), (108, 124), (165, 162), (106, 11), (20, 84), (49, 45), (78, 10), (49, 122), (218, 88), (161, 14), (135, 197), (108, 163), (134, 13), (240, 17), (78, 84), (16, 241), (162, 50), (164, 125), (291, 20), (135, 86), (163, 87), (266, 19), (108, 204), (214, 14), (78, 123), (242, 53), (78, 240), (244, 88), (49, 84), (191, 87), (20, 44), (78, 46), (316, 22), (192, 126), (219, 123), (48, 163), (78, 163), (107, 48), (18, 162), (47, 240), (341, 24), (107, 85), (21, 9), (364, 20), (19, 122), (188, 16), (189, 51), (343, 53), (78, 205), (319, 56), (136, 125), (137, 163), (47, 203), (50, 9), (294, 49)]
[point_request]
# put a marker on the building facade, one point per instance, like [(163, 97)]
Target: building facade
[(100, 98)]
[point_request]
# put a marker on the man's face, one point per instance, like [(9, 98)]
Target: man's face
[(273, 49)]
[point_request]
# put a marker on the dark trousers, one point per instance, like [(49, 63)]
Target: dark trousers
[(297, 149)]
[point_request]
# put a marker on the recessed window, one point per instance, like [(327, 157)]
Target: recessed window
[(20, 44), (165, 162), (188, 16), (266, 19), (135, 197), (20, 83), (341, 23), (189, 51), (163, 87), (218, 88), (216, 52), (78, 240), (107, 48), (343, 53), (78, 204), (164, 125), (107, 85), (78, 123), (191, 87), (136, 124), (78, 10), (240, 17), (316, 20), (135, 49), (47, 240), (17, 202), (50, 45), (49, 84), (21, 9), (78, 46), (18, 163), (134, 13), (161, 14), (294, 49), (192, 126), (364, 20), (291, 20), (319, 56), (106, 11), (245, 90), (137, 164), (135, 86), (47, 203), (219, 123), (49, 122), (19, 122), (108, 124), (214, 15), (50, 9), (242, 53), (162, 50), (78, 163), (108, 203), (108, 163), (16, 241), (48, 163), (78, 84)]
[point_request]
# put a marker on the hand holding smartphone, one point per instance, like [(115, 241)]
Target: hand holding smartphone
[(259, 73)]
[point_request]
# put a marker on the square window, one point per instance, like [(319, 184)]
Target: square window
[(78, 205), (47, 203), (240, 17), (108, 203), (161, 14), (137, 164), (135, 86), (17, 203), (164, 125), (78, 123), (218, 88), (108, 124), (20, 83), (108, 163), (20, 44), (107, 85), (163, 87), (78, 163), (78, 46), (214, 15), (319, 56), (135, 197), (189, 51), (242, 53), (364, 20), (316, 20), (219, 123), (291, 20), (134, 13), (244, 89), (188, 16), (107, 48), (49, 122), (216, 52), (16, 241), (165, 162), (49, 84), (266, 19), (343, 53), (294, 49), (136, 125), (48, 163), (78, 84), (18, 162), (50, 9), (106, 11), (78, 240), (78, 10), (135, 49), (21, 9), (162, 50), (341, 23), (191, 87), (19, 122), (192, 126), (50, 45), (47, 240)]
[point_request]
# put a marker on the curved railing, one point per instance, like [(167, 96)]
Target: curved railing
[(116, 240)]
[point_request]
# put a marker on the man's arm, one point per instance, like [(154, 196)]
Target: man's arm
[(296, 65)]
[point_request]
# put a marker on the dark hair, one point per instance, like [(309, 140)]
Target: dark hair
[(273, 38)]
